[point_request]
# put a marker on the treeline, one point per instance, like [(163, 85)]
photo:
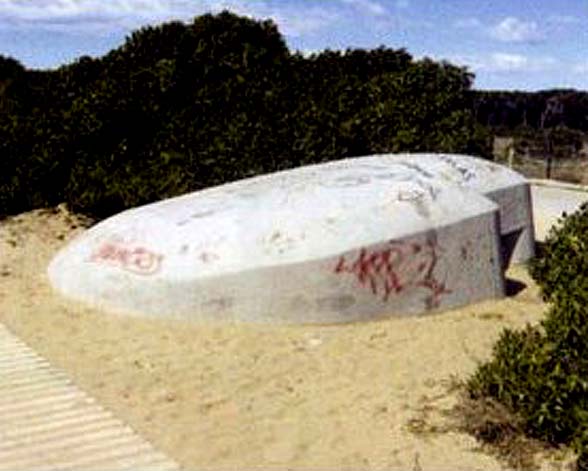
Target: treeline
[(179, 107), (551, 123), (504, 112)]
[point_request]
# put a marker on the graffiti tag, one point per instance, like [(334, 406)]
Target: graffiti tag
[(138, 260), (396, 268)]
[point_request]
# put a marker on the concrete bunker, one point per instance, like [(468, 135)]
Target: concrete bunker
[(508, 189), (342, 241)]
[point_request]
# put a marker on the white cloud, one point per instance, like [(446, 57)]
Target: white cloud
[(513, 30), (370, 7), (41, 10), (503, 62), (102, 15), (297, 22), (509, 30), (292, 20), (87, 15), (116, 15)]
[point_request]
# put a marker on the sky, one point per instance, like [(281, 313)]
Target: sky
[(508, 44)]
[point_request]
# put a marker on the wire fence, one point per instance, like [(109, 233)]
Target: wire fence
[(573, 169)]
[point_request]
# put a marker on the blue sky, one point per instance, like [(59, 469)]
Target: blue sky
[(508, 44)]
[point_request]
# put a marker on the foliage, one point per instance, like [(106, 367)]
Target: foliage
[(550, 122), (179, 107), (560, 271), (541, 373), (504, 111)]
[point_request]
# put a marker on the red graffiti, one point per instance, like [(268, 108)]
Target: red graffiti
[(397, 267), (138, 260)]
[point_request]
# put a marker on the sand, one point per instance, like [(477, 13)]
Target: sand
[(354, 396)]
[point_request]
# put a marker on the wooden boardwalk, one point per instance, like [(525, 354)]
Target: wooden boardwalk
[(47, 423)]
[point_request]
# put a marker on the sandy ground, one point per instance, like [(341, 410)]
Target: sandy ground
[(551, 199), (219, 397)]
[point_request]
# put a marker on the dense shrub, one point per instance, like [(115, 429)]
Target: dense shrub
[(541, 373), (540, 377), (561, 271), (179, 107), (505, 111)]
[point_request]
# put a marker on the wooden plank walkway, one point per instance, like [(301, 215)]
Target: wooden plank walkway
[(47, 423)]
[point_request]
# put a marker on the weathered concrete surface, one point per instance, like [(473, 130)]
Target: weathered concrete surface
[(346, 240), (508, 189)]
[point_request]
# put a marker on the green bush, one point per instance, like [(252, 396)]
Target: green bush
[(179, 107), (542, 377), (561, 270), (541, 373)]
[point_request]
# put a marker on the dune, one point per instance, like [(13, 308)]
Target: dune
[(369, 395)]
